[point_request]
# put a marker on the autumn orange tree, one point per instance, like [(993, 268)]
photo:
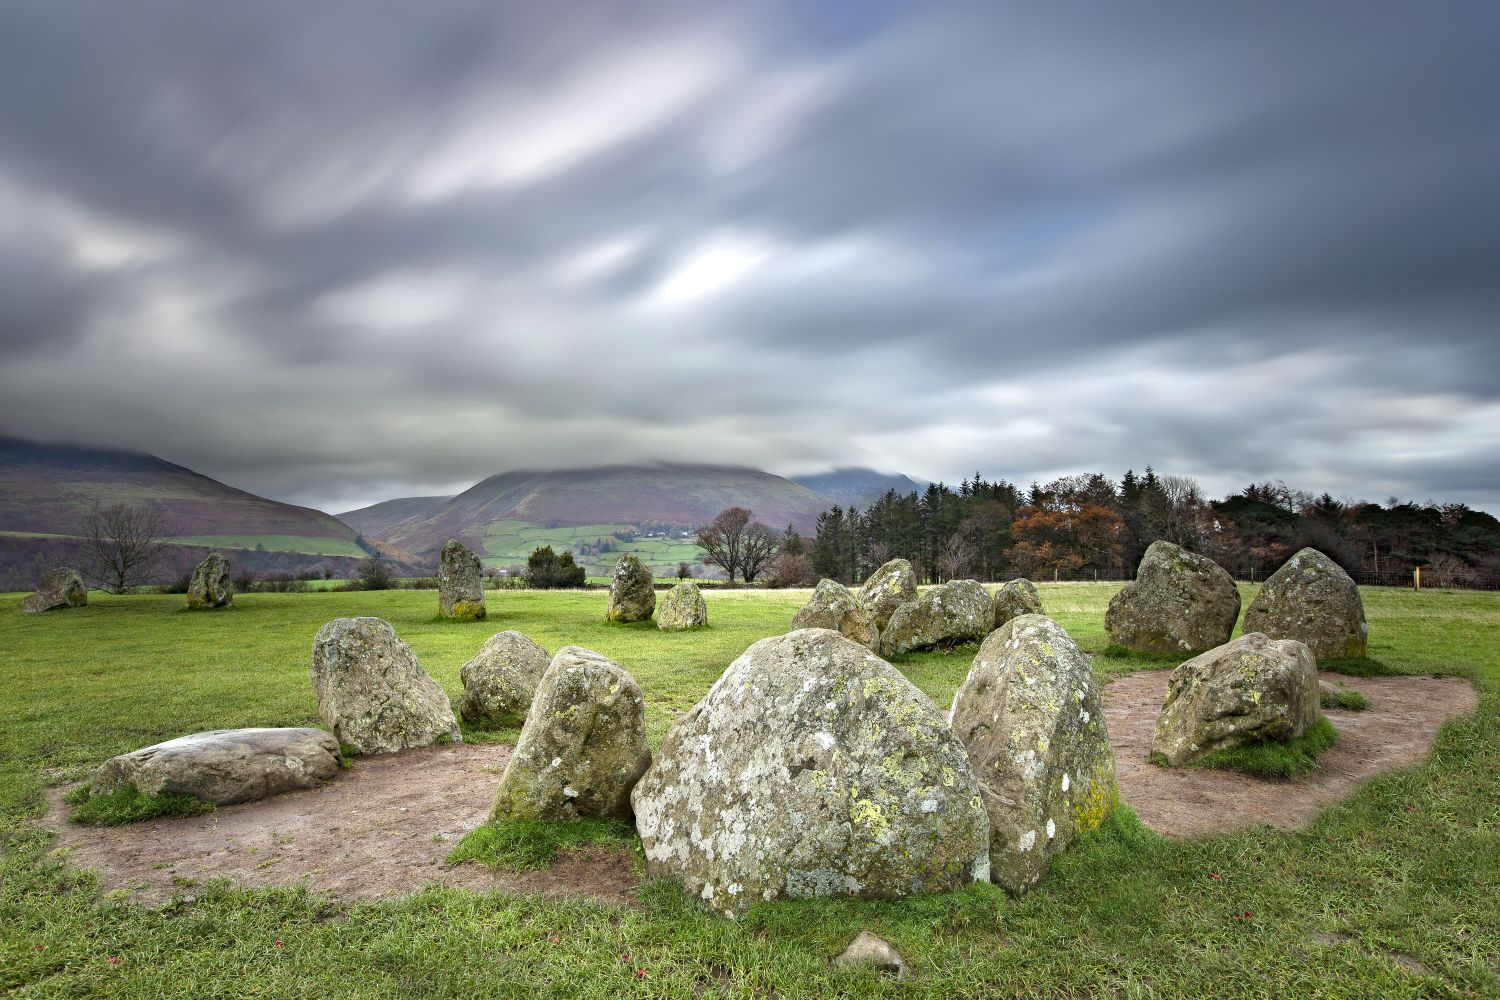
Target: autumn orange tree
[(1062, 536)]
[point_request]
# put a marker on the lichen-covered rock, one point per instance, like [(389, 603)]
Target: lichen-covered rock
[(501, 678), (1311, 599), (683, 608), (1252, 690), (834, 606), (1030, 716), (631, 596), (811, 768), (889, 587), (372, 693), (460, 583), (209, 586), (944, 616), (1180, 602), (59, 588), (225, 766), (1017, 598), (583, 747)]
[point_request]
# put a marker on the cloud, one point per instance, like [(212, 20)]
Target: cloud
[(341, 252)]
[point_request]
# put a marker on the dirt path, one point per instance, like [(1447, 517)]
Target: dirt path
[(1396, 730), (384, 828)]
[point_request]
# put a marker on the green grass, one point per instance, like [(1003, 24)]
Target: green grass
[(508, 542), (305, 545), (127, 804), (1276, 758), (528, 845), (1347, 699), (1405, 872)]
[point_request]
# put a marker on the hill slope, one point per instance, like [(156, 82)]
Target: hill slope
[(677, 495), (858, 487), (379, 519)]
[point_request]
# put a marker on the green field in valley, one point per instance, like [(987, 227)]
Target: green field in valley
[(1391, 894), (509, 542), (277, 543)]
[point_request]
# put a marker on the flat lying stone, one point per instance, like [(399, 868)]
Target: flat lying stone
[(225, 766)]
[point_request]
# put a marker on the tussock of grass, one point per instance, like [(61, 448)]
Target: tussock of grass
[(130, 805), (1276, 760), (1149, 656), (1345, 698), (530, 845)]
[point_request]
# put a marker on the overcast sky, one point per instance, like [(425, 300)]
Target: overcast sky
[(336, 252)]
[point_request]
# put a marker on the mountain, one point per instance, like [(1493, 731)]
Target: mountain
[(379, 519), (655, 498), (858, 487), (46, 491)]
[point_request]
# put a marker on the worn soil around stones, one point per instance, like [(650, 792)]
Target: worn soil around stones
[(384, 828)]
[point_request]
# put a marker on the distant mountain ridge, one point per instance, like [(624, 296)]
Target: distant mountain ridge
[(379, 519), (859, 487)]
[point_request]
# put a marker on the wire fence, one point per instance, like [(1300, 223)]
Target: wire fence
[(1430, 579)]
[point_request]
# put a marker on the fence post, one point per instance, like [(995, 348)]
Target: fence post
[(1416, 578)]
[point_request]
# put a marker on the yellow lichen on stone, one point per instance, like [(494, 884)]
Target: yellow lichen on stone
[(1093, 806)]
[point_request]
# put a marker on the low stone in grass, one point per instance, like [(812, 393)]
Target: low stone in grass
[(834, 606), (59, 588), (876, 952), (1340, 697), (1017, 598), (372, 691), (500, 680), (889, 587), (956, 612), (583, 747), (1179, 602), (1311, 599), (683, 608), (210, 586), (1252, 690), (1031, 720), (632, 596), (811, 768), (460, 583), (224, 766)]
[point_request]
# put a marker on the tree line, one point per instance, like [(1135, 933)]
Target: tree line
[(1086, 526)]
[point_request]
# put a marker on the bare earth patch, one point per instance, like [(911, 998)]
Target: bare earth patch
[(383, 828), (1397, 730)]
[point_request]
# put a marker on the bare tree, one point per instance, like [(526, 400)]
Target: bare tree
[(123, 544), (738, 545), (955, 555), (760, 546)]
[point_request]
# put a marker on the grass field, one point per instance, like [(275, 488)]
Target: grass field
[(509, 542), (278, 543), (1394, 894)]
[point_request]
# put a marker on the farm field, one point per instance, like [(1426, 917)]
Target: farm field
[(278, 543), (508, 542), (1393, 893)]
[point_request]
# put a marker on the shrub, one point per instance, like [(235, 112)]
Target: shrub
[(546, 570), (373, 574)]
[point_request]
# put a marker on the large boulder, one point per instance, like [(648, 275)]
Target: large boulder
[(944, 616), (811, 768), (631, 595), (372, 693), (59, 588), (1180, 602), (225, 766), (1030, 716), (500, 680), (1311, 599), (209, 586), (583, 747), (834, 606), (1016, 598), (460, 583), (889, 587), (683, 608), (1252, 690)]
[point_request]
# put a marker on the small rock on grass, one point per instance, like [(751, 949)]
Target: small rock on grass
[(867, 949)]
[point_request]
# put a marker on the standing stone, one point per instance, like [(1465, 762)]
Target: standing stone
[(500, 680), (811, 768), (59, 588), (955, 612), (210, 586), (1252, 690), (460, 583), (225, 766), (631, 595), (683, 608), (834, 606), (1180, 602), (1311, 599), (1030, 717), (583, 747), (889, 587), (372, 693), (1017, 598)]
